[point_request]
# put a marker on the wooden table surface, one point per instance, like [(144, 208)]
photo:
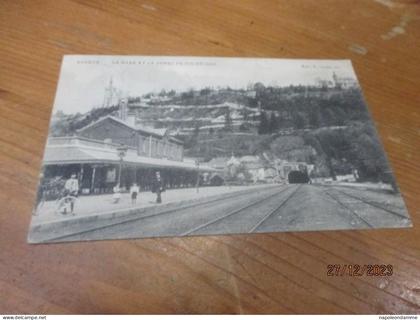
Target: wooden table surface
[(271, 273)]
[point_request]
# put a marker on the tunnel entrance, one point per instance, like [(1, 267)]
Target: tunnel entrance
[(298, 177)]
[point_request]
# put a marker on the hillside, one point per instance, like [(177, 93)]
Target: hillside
[(328, 127), (261, 109), (258, 109)]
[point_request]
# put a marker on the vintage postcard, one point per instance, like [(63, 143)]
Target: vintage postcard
[(181, 146)]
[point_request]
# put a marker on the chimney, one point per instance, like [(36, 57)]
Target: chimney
[(131, 119), (123, 109)]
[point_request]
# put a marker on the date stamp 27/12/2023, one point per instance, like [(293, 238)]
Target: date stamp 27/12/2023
[(357, 270)]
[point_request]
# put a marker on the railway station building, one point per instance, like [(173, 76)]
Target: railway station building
[(114, 150)]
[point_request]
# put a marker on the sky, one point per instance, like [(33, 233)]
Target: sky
[(83, 79)]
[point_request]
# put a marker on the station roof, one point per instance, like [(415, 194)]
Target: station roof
[(77, 153), (160, 133)]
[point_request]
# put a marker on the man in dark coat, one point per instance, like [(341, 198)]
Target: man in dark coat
[(158, 187)]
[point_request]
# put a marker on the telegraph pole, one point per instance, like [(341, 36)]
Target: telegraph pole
[(122, 151)]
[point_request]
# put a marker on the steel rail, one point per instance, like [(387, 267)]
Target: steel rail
[(373, 204), (231, 213), (348, 209), (269, 214)]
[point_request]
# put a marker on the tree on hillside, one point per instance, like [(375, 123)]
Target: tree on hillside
[(366, 151), (328, 150), (193, 139), (245, 113), (244, 127), (298, 120), (274, 123), (188, 95), (205, 91), (314, 118), (263, 127), (197, 129), (162, 93), (228, 120), (259, 87)]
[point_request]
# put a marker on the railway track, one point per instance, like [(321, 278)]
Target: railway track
[(256, 210), (353, 212), (244, 208), (166, 212), (364, 201), (373, 204), (275, 210)]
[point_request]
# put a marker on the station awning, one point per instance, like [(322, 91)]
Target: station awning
[(62, 154)]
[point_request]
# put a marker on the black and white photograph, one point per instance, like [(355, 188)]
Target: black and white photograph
[(143, 146)]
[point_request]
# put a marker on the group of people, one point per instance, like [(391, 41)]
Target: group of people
[(66, 203), (158, 187), (134, 191)]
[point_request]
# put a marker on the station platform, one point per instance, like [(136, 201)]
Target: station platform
[(96, 205)]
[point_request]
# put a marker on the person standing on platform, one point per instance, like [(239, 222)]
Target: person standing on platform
[(117, 194), (71, 188), (134, 191), (158, 187)]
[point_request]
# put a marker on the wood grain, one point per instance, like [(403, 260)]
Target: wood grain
[(272, 273)]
